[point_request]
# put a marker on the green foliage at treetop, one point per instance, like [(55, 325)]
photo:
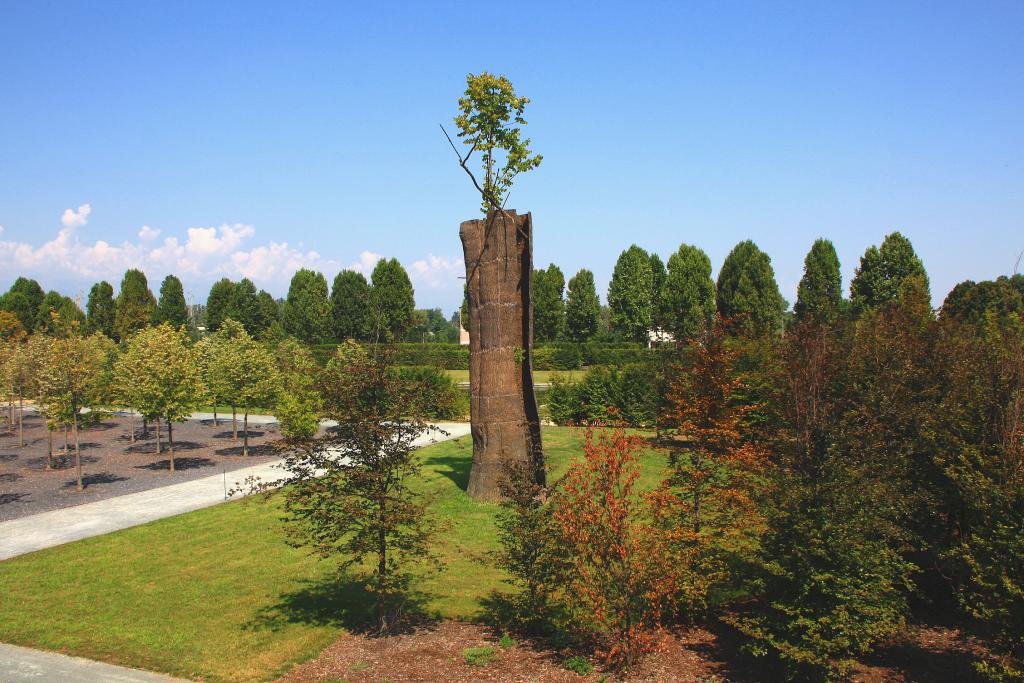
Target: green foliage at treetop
[(548, 304), (218, 303), (134, 306), (748, 294), (171, 308), (630, 294), (100, 309), (307, 309), (350, 306), (688, 295), (490, 123), (820, 292), (23, 300), (583, 308), (883, 271), (392, 300)]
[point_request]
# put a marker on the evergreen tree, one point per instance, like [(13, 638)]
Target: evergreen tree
[(307, 310), (135, 304), (268, 313), (171, 308), (99, 309), (658, 277), (883, 271), (548, 303), (23, 300), (747, 292), (244, 306), (583, 308), (350, 306), (218, 303), (391, 299), (820, 293), (688, 296), (630, 292)]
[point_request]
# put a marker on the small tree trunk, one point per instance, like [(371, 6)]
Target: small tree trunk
[(234, 424), (215, 423), (170, 444), (65, 451), (382, 575), (132, 437), (21, 420), (78, 451), (158, 449), (245, 434), (145, 428), (49, 447)]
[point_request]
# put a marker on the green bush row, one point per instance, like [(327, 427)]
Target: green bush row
[(632, 391), (560, 356)]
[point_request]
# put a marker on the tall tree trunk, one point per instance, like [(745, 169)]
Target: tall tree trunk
[(382, 575), (234, 424), (158, 451), (78, 451), (170, 443), (49, 447), (21, 420), (498, 254), (215, 423), (65, 451), (132, 436), (245, 434)]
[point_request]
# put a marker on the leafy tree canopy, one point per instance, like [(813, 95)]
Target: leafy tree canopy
[(820, 293), (100, 309), (747, 292), (548, 303), (688, 295), (307, 310), (171, 308), (350, 306), (883, 271), (391, 299), (135, 304), (630, 294), (583, 309)]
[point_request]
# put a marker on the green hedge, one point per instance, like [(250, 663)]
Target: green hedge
[(555, 356), (632, 390)]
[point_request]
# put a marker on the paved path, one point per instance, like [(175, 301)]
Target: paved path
[(56, 527), (22, 665)]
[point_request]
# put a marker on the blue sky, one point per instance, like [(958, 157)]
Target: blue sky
[(256, 138)]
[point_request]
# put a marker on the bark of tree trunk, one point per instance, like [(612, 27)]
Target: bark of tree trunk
[(65, 438), (245, 434), (49, 448), (78, 452), (234, 424), (215, 423), (21, 420), (170, 444), (503, 408), (158, 450)]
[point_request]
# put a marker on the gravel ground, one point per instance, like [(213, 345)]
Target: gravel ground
[(112, 465)]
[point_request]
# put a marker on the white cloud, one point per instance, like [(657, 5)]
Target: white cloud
[(438, 272), (367, 260), (148, 234), (76, 219), (205, 254)]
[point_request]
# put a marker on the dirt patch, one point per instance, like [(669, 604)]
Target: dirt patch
[(686, 655), (112, 465)]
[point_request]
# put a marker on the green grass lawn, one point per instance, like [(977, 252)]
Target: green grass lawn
[(539, 376), (217, 593)]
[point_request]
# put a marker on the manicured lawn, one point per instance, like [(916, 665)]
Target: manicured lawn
[(539, 376), (218, 594)]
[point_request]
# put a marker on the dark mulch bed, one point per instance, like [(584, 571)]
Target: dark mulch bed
[(112, 465), (686, 654)]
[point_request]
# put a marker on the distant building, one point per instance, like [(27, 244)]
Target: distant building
[(463, 336), (656, 335)]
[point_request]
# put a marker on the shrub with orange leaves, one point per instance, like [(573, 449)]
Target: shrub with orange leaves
[(707, 507), (619, 580)]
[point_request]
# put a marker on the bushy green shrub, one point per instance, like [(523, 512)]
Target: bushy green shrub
[(578, 665), (631, 391), (443, 398), (297, 416)]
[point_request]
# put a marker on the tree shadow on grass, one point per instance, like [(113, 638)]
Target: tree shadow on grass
[(454, 467), (341, 601), (95, 479), (179, 464)]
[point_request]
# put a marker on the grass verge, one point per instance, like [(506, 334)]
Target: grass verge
[(217, 594)]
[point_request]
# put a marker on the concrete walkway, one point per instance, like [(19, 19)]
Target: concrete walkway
[(22, 665), (56, 527)]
